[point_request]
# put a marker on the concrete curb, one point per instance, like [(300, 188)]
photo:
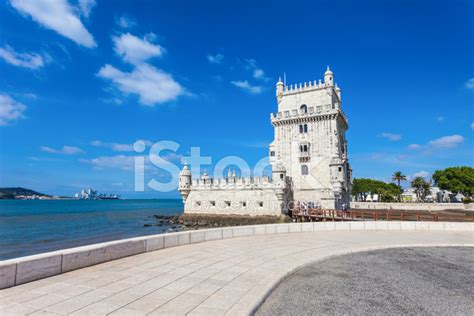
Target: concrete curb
[(26, 269)]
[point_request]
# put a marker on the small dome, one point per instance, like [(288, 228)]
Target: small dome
[(328, 72), (185, 171), (279, 83)]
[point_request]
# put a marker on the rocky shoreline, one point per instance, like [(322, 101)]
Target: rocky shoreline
[(201, 221)]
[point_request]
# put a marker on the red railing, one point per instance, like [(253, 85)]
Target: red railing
[(314, 214)]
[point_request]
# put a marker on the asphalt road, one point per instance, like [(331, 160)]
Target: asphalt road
[(428, 281)]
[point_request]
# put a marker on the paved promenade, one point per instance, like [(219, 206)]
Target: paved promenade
[(228, 276)]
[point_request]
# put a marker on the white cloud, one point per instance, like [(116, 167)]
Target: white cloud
[(422, 173), (414, 146), (247, 87), (124, 162), (135, 50), (258, 73), (152, 85), (451, 141), (470, 83), (57, 15), (125, 22), (86, 6), (472, 125), (440, 118), (117, 146), (215, 59), (10, 110), (26, 60), (447, 142), (391, 137), (112, 162), (65, 150)]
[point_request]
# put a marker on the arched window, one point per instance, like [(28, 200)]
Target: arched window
[(304, 108), (304, 170), (301, 128), (305, 129)]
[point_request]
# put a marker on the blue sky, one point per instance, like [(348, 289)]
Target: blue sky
[(81, 81)]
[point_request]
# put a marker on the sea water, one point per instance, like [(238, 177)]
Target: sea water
[(34, 226)]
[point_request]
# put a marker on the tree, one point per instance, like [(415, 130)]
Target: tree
[(422, 188), (399, 176), (362, 187), (456, 180)]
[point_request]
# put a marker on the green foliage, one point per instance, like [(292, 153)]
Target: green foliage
[(363, 187), (12, 193), (422, 188), (456, 180), (399, 177)]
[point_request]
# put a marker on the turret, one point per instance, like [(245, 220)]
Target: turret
[(280, 88), (328, 78), (278, 172), (184, 186)]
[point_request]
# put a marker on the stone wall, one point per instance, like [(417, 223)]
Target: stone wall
[(411, 206), (241, 201)]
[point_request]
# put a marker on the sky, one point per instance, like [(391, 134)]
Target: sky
[(82, 80)]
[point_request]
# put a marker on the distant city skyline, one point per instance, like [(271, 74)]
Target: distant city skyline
[(82, 81)]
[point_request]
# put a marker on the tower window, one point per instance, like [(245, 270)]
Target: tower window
[(305, 128), (340, 169), (304, 148), (304, 108), (301, 129), (304, 170), (272, 154)]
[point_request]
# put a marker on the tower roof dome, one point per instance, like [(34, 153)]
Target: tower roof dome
[(328, 71)]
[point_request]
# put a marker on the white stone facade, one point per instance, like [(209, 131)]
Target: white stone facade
[(308, 158)]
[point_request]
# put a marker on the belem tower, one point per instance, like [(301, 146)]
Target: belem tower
[(308, 157)]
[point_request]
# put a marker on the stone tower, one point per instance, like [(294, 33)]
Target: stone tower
[(310, 141)]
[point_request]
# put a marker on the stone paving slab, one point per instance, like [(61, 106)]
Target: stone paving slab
[(221, 277)]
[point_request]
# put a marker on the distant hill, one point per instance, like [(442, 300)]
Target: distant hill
[(13, 193)]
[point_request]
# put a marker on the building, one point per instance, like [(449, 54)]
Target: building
[(308, 157)]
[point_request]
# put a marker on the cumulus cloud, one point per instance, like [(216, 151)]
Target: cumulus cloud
[(125, 22), (390, 136), (124, 162), (257, 72), (86, 6), (135, 50), (57, 15), (10, 110), (447, 142), (444, 142), (65, 150), (152, 85), (470, 83), (111, 162), (245, 85), (117, 146), (25, 60), (215, 59)]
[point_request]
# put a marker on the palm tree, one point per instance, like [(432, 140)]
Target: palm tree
[(399, 176), (422, 187)]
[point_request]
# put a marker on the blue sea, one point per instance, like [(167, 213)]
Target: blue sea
[(34, 226)]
